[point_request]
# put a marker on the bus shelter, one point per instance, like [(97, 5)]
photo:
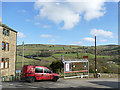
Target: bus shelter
[(76, 68)]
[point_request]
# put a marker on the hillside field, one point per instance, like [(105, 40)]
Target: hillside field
[(107, 55)]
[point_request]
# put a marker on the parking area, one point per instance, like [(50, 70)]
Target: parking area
[(68, 83)]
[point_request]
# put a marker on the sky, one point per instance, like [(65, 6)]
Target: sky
[(63, 23)]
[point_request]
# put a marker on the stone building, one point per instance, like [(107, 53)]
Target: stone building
[(8, 42)]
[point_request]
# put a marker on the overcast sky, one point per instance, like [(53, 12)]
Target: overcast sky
[(65, 23)]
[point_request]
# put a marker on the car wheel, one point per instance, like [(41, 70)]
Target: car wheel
[(55, 79), (32, 79)]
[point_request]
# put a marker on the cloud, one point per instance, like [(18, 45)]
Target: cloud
[(45, 35), (52, 40), (103, 40), (37, 23), (20, 35), (27, 20), (101, 32), (57, 36), (69, 13), (46, 26), (112, 0), (76, 43), (89, 39)]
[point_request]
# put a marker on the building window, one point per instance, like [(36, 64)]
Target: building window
[(4, 31), (3, 46), (7, 32), (7, 46), (4, 63)]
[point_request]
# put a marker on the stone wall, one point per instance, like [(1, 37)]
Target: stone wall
[(104, 75)]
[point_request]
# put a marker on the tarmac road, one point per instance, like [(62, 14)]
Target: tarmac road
[(68, 83)]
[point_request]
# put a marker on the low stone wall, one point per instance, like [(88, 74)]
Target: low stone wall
[(104, 75)]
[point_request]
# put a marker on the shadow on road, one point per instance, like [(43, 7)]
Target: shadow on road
[(107, 83), (70, 88)]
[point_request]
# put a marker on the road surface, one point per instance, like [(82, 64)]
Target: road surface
[(68, 83)]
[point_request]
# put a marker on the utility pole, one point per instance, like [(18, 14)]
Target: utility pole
[(95, 59), (23, 54)]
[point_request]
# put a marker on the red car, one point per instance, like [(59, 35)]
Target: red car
[(31, 73)]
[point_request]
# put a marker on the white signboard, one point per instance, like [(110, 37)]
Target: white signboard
[(67, 68)]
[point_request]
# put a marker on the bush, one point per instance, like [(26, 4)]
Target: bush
[(56, 65)]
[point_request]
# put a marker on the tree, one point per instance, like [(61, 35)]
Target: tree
[(44, 53), (55, 66)]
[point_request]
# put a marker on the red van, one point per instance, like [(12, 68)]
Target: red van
[(31, 73)]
